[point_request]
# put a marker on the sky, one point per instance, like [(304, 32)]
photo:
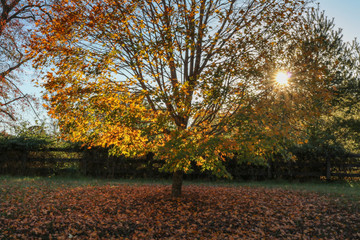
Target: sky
[(346, 14)]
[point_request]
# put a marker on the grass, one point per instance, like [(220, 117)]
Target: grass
[(347, 190), (350, 190)]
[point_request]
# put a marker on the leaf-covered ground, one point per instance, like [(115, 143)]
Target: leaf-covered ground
[(148, 212)]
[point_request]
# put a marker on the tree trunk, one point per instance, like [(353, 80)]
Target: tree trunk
[(177, 184)]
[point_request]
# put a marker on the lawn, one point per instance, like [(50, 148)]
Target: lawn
[(40, 208)]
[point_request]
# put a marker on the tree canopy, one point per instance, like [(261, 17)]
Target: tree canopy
[(191, 81)]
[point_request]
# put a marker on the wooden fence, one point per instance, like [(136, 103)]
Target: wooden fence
[(343, 170), (41, 161), (97, 163), (59, 161)]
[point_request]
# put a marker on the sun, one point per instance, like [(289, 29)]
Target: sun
[(282, 78)]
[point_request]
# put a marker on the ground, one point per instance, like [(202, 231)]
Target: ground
[(35, 209)]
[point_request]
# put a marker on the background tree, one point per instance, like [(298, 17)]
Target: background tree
[(17, 22), (322, 67), (334, 128), (184, 79), (317, 58)]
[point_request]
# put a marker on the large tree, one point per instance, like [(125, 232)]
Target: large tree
[(188, 80), (17, 22)]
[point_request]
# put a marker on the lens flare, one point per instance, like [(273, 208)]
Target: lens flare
[(282, 78)]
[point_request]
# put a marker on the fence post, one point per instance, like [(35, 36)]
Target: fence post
[(328, 169), (269, 170), (84, 158), (24, 161)]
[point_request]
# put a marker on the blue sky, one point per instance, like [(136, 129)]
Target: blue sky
[(346, 14)]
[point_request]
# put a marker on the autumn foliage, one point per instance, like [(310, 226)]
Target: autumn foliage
[(148, 212)]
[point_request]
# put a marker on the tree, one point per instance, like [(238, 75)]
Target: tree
[(339, 60), (324, 76), (184, 79), (17, 19)]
